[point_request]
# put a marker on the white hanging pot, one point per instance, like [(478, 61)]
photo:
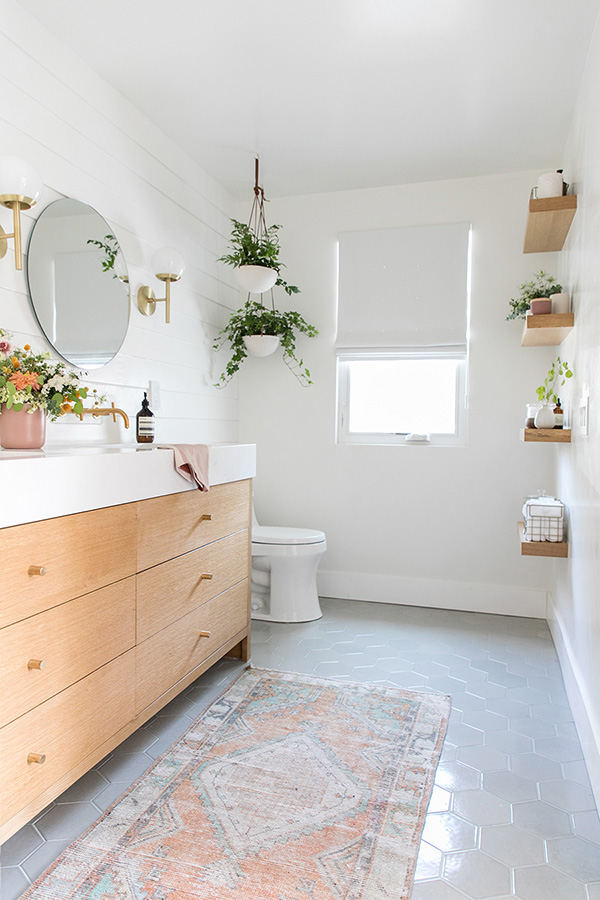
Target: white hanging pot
[(544, 417), (256, 279), (261, 344)]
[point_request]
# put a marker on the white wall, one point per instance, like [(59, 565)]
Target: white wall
[(421, 525), (575, 609), (89, 143)]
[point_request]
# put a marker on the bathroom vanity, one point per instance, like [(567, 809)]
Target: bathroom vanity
[(120, 585)]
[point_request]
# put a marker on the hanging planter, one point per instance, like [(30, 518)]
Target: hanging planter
[(255, 279), (255, 329), (261, 344)]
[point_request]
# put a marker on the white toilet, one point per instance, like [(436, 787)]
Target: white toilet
[(284, 573)]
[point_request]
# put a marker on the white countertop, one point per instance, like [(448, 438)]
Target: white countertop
[(58, 481)]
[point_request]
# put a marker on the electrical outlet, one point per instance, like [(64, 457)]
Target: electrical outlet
[(583, 423), (154, 394)]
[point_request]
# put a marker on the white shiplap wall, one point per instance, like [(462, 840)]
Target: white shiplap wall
[(89, 143)]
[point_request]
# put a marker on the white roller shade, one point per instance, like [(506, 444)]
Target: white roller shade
[(404, 287)]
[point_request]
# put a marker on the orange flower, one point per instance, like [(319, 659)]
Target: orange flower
[(21, 380), (15, 362), (65, 407), (26, 347)]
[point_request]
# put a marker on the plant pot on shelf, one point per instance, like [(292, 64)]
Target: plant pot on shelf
[(542, 306), (544, 417), (261, 344), (22, 430), (256, 279)]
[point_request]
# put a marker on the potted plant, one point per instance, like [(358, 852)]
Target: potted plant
[(256, 320), (255, 258), (557, 375), (542, 286), (33, 387)]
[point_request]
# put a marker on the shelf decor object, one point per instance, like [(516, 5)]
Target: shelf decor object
[(558, 549), (548, 330), (546, 435), (548, 223), (20, 188)]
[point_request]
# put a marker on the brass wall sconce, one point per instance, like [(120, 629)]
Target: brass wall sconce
[(20, 188), (168, 265)]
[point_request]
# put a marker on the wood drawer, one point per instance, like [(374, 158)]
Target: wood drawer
[(65, 729), (71, 640), (172, 525), (80, 553), (171, 590), (169, 655)]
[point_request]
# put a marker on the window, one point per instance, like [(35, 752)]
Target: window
[(402, 334)]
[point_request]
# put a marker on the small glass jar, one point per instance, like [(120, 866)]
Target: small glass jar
[(532, 408)]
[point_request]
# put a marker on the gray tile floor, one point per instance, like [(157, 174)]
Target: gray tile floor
[(512, 814)]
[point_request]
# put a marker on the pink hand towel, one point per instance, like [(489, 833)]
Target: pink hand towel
[(191, 461)]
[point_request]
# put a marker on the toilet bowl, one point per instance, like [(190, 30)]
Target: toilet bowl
[(284, 573)]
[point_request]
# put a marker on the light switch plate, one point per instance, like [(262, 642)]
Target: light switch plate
[(154, 395), (583, 422)]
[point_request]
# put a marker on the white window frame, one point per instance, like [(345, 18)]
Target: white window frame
[(343, 436)]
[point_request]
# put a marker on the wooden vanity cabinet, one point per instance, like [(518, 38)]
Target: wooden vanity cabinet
[(105, 616)]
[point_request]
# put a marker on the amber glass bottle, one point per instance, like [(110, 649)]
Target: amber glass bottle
[(145, 423)]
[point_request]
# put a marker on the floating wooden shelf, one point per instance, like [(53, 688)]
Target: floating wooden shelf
[(548, 223), (546, 331), (542, 548), (547, 435)]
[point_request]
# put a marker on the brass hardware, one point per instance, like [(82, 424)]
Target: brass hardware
[(204, 634), (36, 758), (16, 202), (111, 410), (36, 664), (36, 570), (147, 299), (205, 517), (206, 576)]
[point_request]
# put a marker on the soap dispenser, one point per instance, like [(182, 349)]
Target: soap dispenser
[(145, 423)]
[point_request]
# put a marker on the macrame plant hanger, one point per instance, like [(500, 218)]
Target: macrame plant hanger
[(257, 221)]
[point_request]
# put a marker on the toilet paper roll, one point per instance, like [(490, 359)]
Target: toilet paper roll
[(550, 185)]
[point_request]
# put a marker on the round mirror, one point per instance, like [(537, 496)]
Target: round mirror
[(78, 283)]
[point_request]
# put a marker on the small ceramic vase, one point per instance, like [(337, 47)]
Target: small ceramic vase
[(22, 430), (544, 417), (541, 307), (560, 303)]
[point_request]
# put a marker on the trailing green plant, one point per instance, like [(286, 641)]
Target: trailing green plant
[(250, 249), (557, 375), (542, 285), (254, 318), (111, 250)]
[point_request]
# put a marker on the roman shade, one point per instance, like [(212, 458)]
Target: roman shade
[(404, 288)]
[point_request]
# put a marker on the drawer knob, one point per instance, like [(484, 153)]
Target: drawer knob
[(205, 517), (206, 576), (36, 570), (36, 664), (36, 758), (204, 634)]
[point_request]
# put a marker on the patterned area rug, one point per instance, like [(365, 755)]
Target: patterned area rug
[(289, 787)]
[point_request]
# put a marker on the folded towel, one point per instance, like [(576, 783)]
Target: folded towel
[(191, 461)]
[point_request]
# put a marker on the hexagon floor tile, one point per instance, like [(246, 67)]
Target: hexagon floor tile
[(512, 789)]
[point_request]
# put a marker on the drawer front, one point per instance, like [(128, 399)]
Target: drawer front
[(169, 655), (172, 525), (64, 730), (171, 590), (79, 553), (44, 654)]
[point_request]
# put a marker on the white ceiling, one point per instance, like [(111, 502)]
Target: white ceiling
[(341, 94)]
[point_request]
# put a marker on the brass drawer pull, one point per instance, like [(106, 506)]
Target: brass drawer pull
[(206, 517), (36, 570), (36, 664), (36, 758), (206, 576), (204, 634)]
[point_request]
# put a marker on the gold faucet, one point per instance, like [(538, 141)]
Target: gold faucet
[(112, 410)]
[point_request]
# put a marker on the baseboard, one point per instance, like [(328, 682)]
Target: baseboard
[(583, 706), (487, 598)]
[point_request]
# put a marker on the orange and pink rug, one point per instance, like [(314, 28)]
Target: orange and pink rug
[(289, 787)]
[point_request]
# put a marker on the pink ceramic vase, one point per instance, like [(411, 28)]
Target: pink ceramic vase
[(21, 430)]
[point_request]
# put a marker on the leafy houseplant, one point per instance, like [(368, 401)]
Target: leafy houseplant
[(542, 285), (249, 248), (253, 319), (557, 375), (38, 381)]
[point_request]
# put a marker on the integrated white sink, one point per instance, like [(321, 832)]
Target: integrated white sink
[(58, 481)]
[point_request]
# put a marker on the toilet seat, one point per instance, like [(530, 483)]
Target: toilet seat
[(275, 534)]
